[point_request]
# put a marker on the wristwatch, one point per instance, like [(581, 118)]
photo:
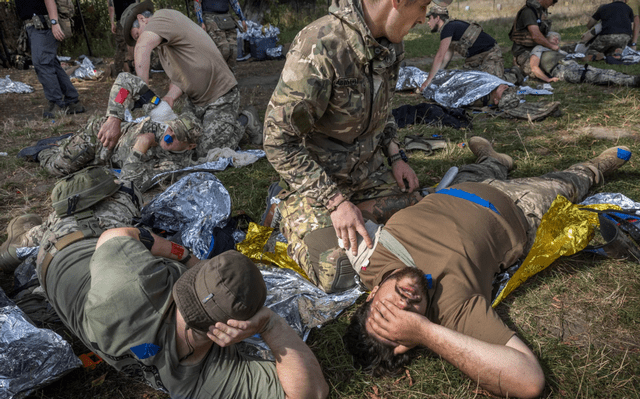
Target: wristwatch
[(396, 157), (54, 21)]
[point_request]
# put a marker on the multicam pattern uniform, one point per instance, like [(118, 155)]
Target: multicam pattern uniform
[(328, 124), (490, 62), (84, 149), (226, 40)]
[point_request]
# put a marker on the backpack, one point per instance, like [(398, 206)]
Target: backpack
[(81, 190)]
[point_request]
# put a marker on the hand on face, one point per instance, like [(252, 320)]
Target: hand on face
[(234, 331), (394, 326)]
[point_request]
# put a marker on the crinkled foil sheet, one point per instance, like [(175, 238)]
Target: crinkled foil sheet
[(30, 357), (300, 303), (86, 70), (193, 206), (563, 231), (450, 88), (9, 86)]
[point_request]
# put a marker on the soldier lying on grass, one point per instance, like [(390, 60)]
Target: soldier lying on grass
[(432, 266)]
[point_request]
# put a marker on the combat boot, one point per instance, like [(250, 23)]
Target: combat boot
[(75, 108), (483, 149), (254, 127), (15, 233), (51, 109), (611, 159)]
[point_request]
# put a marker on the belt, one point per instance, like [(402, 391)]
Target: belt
[(454, 192), (89, 228)]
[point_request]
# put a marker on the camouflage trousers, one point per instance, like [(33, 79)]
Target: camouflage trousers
[(607, 44), (225, 40), (490, 61), (76, 152), (522, 61), (307, 225), (572, 72), (219, 122), (533, 195)]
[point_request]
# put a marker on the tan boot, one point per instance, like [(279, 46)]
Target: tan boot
[(611, 159), (16, 230), (483, 149), (254, 127)]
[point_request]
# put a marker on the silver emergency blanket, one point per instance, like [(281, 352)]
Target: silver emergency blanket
[(192, 206), (611, 198), (303, 305), (30, 357), (256, 31), (451, 88), (9, 86), (220, 164), (630, 56), (85, 71)]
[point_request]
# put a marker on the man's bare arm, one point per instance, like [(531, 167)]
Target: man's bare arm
[(142, 53), (510, 369), (52, 11), (539, 38), (173, 94), (438, 61), (534, 63), (161, 246), (592, 22), (636, 30)]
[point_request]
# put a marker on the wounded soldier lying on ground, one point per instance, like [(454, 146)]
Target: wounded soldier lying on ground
[(551, 66), (456, 89), (143, 150), (431, 267)]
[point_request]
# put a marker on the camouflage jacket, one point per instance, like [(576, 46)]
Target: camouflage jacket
[(329, 122), (115, 211)]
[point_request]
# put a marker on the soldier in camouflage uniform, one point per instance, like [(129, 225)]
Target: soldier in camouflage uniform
[(617, 20), (195, 68), (143, 149), (481, 51), (328, 129), (529, 29), (550, 66)]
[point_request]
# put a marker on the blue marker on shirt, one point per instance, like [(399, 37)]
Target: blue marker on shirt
[(168, 139)]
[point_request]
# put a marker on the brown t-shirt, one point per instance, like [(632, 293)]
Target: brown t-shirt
[(462, 245), (190, 58)]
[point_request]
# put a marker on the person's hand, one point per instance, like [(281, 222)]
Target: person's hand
[(110, 133), (113, 27), (144, 142), (555, 47), (244, 25), (424, 86), (203, 26), (402, 171), (234, 331), (554, 80), (57, 32), (394, 324), (348, 222)]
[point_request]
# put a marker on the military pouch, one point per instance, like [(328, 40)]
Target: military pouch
[(40, 22), (224, 21)]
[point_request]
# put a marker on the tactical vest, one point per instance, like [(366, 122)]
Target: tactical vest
[(467, 39), (549, 60), (523, 37)]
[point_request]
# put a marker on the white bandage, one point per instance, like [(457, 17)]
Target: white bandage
[(162, 113)]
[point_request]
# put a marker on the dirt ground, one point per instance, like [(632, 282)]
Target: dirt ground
[(27, 189)]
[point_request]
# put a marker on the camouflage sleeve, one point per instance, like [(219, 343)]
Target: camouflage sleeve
[(125, 92), (236, 7), (138, 168), (299, 100)]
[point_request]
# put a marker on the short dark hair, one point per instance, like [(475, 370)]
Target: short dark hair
[(368, 353)]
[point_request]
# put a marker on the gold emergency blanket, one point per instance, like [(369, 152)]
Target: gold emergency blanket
[(563, 231), (253, 247)]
